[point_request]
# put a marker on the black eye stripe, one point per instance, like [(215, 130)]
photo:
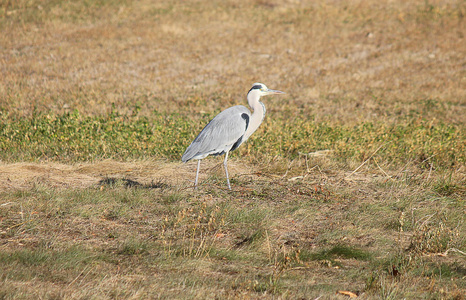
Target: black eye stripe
[(256, 87)]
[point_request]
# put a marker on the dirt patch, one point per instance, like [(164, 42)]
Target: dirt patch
[(26, 175)]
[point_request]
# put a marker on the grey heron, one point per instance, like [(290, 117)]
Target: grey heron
[(229, 129)]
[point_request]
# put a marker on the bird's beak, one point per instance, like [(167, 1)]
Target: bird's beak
[(271, 92)]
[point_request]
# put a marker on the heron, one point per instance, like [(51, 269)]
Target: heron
[(229, 129)]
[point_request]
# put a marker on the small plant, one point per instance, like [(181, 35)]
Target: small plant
[(283, 259), (172, 197), (132, 247), (192, 232), (433, 235), (112, 213), (388, 289), (445, 186)]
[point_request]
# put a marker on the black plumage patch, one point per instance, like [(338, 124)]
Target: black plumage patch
[(236, 145), (246, 118), (240, 140), (218, 153)]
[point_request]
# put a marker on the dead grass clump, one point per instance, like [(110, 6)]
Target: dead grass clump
[(192, 232), (433, 235)]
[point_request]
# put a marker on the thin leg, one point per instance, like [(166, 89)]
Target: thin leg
[(197, 173), (226, 169)]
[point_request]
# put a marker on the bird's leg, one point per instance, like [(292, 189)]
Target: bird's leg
[(197, 173), (226, 169)]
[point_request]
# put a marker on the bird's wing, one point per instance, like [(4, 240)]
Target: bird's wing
[(220, 135)]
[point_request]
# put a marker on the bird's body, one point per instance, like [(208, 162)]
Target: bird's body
[(215, 139), (229, 129)]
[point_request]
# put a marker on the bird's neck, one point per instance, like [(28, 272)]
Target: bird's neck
[(258, 114)]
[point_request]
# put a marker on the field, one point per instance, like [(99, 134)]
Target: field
[(353, 186)]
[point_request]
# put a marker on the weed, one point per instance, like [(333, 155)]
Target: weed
[(389, 289), (255, 237), (433, 235), (113, 213), (194, 231), (172, 197), (132, 247), (283, 258), (446, 186)]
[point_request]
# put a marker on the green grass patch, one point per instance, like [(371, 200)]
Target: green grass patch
[(133, 247), (49, 259), (72, 137), (26, 257)]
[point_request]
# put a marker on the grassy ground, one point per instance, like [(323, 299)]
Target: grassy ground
[(355, 184)]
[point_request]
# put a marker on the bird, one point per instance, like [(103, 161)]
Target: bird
[(229, 129)]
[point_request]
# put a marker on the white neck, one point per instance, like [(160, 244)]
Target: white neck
[(258, 113)]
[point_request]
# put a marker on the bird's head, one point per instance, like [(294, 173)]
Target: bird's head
[(263, 90)]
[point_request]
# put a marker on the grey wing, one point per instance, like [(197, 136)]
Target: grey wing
[(222, 134)]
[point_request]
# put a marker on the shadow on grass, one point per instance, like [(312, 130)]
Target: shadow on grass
[(129, 183), (337, 251)]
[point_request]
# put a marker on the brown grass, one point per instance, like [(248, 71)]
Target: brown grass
[(363, 60)]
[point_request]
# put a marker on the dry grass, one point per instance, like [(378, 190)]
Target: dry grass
[(131, 232), (378, 221), (363, 60)]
